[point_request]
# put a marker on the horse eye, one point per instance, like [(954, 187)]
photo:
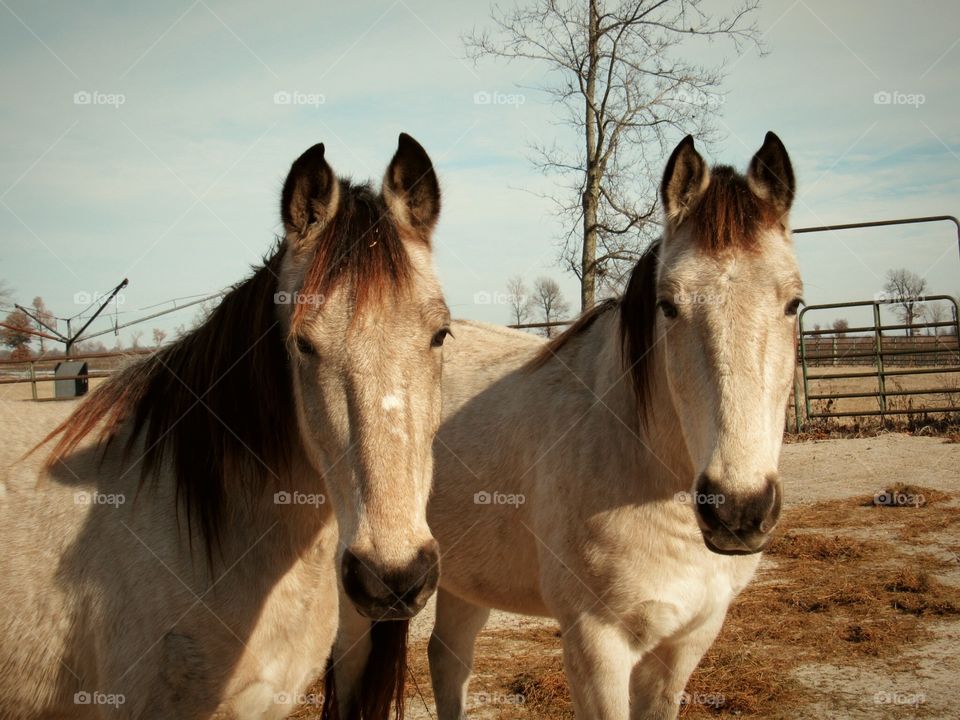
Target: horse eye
[(305, 347), (668, 309), (792, 307), (441, 335)]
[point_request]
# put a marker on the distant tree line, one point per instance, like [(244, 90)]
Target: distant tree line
[(545, 303)]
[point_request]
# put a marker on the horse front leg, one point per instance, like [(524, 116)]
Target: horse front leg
[(598, 657), (451, 652), (660, 676)]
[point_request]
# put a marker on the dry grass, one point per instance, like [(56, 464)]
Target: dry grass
[(827, 597)]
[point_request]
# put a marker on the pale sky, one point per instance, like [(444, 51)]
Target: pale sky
[(176, 187)]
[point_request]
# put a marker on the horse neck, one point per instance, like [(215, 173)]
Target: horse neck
[(296, 522), (653, 449)]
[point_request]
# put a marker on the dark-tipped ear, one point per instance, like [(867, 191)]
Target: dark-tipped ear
[(410, 185), (770, 175), (310, 192), (684, 180)]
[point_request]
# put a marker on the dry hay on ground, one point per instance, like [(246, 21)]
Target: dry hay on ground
[(828, 596)]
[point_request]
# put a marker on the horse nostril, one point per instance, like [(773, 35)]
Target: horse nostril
[(772, 503), (708, 501), (424, 572), (742, 512), (391, 592)]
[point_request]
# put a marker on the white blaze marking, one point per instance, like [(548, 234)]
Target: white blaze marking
[(392, 402)]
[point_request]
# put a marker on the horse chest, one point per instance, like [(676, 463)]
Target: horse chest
[(664, 584), (288, 648)]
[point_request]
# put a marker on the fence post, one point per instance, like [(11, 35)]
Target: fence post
[(33, 379), (878, 350), (803, 364), (796, 403)]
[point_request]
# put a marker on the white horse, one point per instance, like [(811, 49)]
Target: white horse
[(622, 478), (175, 553)]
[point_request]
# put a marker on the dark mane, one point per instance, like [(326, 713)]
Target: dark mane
[(637, 309), (579, 326), (729, 215), (215, 404), (218, 404)]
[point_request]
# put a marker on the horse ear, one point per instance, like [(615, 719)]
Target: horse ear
[(770, 175), (310, 193), (684, 180), (410, 185)]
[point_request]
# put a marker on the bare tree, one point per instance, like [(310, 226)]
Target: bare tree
[(905, 288), (89, 346), (617, 74), (550, 302), (840, 327), (519, 299), (135, 339), (936, 312), (45, 317), (17, 334), (158, 337)]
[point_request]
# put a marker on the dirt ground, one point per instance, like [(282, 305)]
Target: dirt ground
[(822, 667)]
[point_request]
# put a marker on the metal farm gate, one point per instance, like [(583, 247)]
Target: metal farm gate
[(903, 368), (880, 358)]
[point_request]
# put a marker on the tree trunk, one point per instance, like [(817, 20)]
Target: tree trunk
[(588, 258), (591, 191)]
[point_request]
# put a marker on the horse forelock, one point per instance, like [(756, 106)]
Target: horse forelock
[(729, 215), (362, 243)]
